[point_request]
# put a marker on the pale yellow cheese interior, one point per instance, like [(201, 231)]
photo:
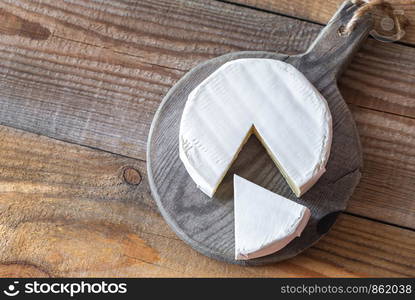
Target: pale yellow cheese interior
[(251, 131)]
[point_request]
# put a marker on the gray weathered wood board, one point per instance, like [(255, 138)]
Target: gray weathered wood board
[(207, 224)]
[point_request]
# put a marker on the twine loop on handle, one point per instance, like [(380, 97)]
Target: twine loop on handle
[(367, 6)]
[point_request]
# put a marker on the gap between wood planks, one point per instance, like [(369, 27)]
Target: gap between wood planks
[(67, 212), (143, 161), (378, 221), (161, 65), (402, 43), (125, 51), (230, 2), (385, 112), (246, 4), (317, 256), (182, 70)]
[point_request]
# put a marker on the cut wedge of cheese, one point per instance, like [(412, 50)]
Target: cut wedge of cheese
[(269, 98), (264, 222)]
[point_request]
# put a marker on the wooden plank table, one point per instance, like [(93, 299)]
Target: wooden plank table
[(79, 84)]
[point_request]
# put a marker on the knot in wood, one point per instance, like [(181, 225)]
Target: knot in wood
[(131, 176)]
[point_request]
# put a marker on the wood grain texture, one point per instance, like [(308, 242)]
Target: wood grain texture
[(103, 69), (321, 11), (207, 224), (99, 75), (381, 78), (107, 64), (96, 81), (66, 211), (21, 270), (387, 187)]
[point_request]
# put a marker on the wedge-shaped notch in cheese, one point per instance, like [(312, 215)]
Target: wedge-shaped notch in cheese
[(269, 98), (264, 221)]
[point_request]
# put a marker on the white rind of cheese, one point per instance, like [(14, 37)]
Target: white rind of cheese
[(264, 221), (267, 97)]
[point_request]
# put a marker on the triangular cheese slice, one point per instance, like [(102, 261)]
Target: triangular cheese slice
[(264, 221), (267, 97)]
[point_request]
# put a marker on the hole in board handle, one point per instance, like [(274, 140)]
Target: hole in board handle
[(341, 31)]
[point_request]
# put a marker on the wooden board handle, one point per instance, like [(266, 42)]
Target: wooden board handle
[(331, 50)]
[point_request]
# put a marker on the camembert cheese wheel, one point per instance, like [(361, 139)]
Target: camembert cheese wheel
[(265, 97)]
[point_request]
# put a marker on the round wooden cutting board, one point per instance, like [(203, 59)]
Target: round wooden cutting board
[(207, 224)]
